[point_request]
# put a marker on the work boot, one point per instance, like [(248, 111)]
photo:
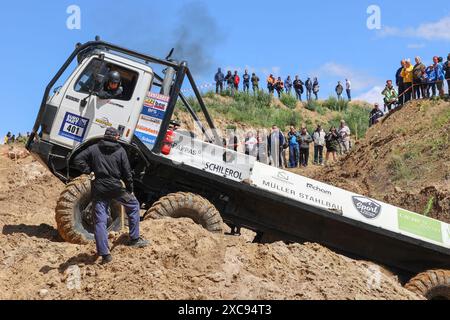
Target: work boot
[(138, 243), (106, 259)]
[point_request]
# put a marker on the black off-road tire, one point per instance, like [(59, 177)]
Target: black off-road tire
[(187, 205), (432, 284), (74, 213)]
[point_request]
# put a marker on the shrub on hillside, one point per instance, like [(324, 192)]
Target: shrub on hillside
[(336, 105), (288, 100)]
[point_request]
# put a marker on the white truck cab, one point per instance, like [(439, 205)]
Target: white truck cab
[(81, 116)]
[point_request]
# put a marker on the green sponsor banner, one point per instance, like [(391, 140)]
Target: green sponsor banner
[(420, 225)]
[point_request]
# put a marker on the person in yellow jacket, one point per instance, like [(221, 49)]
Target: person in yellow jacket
[(7, 139), (407, 75)]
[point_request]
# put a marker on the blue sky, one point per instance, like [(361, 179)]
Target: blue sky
[(328, 39)]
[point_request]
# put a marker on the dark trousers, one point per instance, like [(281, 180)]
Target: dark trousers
[(255, 88), (293, 156), (401, 97), (349, 94), (219, 87), (298, 93), (308, 94), (448, 84), (317, 95), (246, 86), (304, 156), (408, 91), (131, 205), (318, 154)]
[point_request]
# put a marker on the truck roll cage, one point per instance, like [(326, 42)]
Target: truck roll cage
[(181, 71)]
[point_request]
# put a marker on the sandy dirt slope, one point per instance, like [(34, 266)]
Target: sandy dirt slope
[(183, 262)]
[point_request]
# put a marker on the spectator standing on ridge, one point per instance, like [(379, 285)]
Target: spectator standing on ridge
[(319, 143), (298, 87), (344, 137), (255, 83), (261, 146), (375, 115), (348, 89), (230, 81), (407, 75), (309, 87), (246, 81), (219, 79), (390, 96), (332, 144), (232, 143), (275, 146), (304, 140), (339, 89), (288, 85), (7, 138), (418, 79), (439, 75), (236, 81), (279, 85), (447, 72), (271, 84), (316, 88), (399, 82), (293, 137), (251, 145)]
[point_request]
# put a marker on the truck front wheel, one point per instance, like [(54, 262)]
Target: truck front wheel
[(432, 284), (187, 205), (75, 215)]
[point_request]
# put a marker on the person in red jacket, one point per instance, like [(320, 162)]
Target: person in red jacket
[(237, 80)]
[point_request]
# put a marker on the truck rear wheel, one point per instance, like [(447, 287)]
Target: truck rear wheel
[(187, 205), (75, 215), (432, 284)]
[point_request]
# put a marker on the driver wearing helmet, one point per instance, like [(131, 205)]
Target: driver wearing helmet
[(112, 88)]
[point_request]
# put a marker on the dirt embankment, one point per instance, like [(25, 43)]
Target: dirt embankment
[(405, 161), (183, 262)]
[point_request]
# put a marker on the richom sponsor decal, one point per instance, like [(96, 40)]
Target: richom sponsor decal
[(318, 189), (366, 207)]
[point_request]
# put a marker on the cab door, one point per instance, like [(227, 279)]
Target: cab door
[(82, 116)]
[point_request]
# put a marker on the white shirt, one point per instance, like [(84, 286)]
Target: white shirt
[(348, 84), (344, 133)]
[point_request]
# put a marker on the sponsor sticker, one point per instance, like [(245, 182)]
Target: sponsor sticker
[(150, 120), (74, 127), (103, 122), (420, 225), (367, 207)]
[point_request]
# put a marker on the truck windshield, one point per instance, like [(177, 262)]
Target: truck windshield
[(86, 80)]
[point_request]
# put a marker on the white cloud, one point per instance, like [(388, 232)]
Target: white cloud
[(372, 96), (438, 30), (359, 79), (416, 46)]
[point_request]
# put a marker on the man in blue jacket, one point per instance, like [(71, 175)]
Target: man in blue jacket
[(109, 162), (219, 79), (294, 151)]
